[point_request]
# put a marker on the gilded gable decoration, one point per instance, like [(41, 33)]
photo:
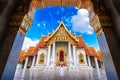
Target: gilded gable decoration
[(61, 34)]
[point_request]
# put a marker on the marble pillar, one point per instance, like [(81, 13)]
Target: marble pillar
[(53, 55), (70, 55), (110, 48), (33, 62), (85, 58), (74, 55), (89, 62), (96, 63), (48, 56), (12, 59), (26, 62), (38, 58), (110, 40)]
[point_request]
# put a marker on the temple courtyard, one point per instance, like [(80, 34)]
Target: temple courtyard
[(60, 74)]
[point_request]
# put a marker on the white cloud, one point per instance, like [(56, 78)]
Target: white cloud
[(67, 21), (28, 42), (38, 24), (44, 24), (76, 8), (58, 21), (50, 15), (80, 22), (62, 9)]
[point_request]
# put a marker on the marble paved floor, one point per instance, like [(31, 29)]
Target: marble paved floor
[(64, 74)]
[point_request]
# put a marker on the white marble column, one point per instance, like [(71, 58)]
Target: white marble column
[(70, 55), (33, 62), (38, 58), (85, 59), (26, 62), (96, 63), (53, 54), (74, 55), (48, 57), (89, 62)]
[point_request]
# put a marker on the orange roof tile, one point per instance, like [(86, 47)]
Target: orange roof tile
[(93, 51), (87, 51), (22, 57), (30, 51), (42, 44), (35, 50), (81, 43)]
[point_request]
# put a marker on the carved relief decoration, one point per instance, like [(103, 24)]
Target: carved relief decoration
[(61, 35)]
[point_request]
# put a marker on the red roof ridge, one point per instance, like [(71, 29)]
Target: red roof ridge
[(41, 43)]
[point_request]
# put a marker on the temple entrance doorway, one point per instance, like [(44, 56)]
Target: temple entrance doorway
[(61, 57)]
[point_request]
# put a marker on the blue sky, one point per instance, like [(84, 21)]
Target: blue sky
[(76, 20)]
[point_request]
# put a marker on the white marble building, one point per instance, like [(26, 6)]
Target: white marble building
[(61, 48)]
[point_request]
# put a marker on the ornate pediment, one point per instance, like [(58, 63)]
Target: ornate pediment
[(61, 34)]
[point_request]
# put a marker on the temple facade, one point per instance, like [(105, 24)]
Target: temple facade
[(61, 48)]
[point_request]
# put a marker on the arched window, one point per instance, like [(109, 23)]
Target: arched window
[(42, 58), (81, 58)]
